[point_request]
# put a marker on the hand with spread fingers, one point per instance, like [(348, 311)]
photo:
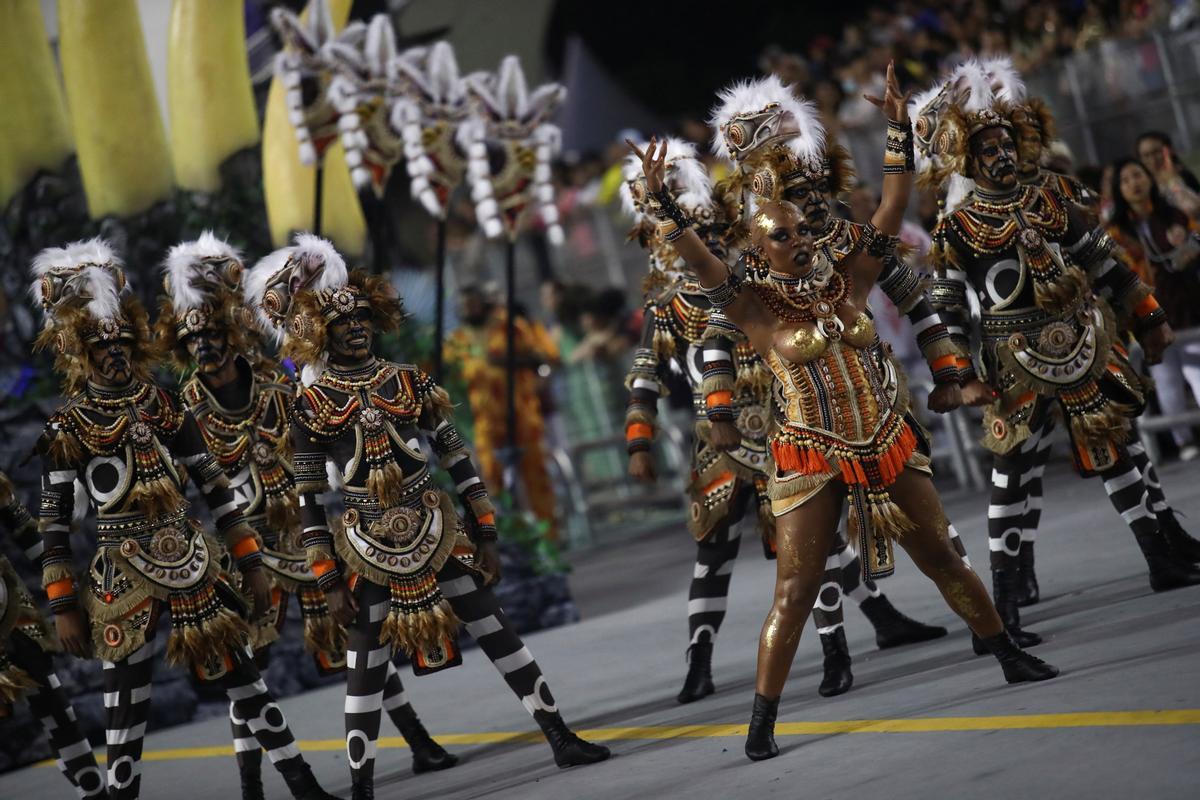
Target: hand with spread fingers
[(654, 166), (894, 102)]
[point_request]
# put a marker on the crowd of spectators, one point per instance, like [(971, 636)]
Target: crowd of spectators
[(926, 36)]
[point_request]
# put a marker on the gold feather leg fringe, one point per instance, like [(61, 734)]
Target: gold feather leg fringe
[(420, 630), (14, 682), (663, 343), (194, 644)]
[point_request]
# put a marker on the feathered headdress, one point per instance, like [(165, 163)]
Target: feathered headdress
[(82, 291), (300, 289), (689, 183), (433, 105), (776, 140), (509, 141), (946, 116), (202, 284)]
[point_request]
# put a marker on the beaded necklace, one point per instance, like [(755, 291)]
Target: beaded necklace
[(815, 297)]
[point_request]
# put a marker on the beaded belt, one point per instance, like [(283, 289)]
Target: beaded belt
[(997, 325), (368, 505), (111, 531)]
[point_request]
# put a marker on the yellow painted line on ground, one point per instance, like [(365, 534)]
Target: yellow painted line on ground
[(1082, 719)]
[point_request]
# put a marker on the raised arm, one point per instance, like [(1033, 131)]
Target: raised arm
[(881, 238), (898, 160), (719, 283)]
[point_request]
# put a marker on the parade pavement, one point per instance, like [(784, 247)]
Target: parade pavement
[(926, 721)]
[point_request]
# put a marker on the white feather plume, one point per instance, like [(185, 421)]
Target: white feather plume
[(181, 262), (1006, 80), (687, 177), (96, 274), (749, 96)]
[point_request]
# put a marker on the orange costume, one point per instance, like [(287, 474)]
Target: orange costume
[(480, 354)]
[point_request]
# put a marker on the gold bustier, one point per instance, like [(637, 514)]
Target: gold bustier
[(810, 343)]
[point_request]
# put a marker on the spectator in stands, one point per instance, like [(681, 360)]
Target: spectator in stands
[(1175, 182), (1164, 248)]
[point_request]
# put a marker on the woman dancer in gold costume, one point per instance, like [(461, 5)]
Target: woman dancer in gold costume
[(843, 431)]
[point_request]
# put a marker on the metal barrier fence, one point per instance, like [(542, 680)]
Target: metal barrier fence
[(1102, 98)]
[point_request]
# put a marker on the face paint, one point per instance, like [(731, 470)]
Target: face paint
[(112, 361), (350, 336), (786, 238), (994, 159), (209, 349)]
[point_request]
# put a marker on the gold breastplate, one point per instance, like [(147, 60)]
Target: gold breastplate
[(807, 344)]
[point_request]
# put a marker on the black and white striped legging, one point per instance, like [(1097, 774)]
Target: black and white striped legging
[(713, 570), (708, 594), (49, 703), (127, 690), (1015, 509), (372, 682)]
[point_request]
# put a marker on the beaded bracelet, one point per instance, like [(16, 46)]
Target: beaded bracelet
[(898, 155), (667, 210), (878, 244), (724, 293)]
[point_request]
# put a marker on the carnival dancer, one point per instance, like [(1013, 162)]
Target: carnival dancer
[(127, 441), (730, 461), (1034, 130), (478, 347), (1048, 285), (841, 427), (398, 568), (26, 643), (240, 399)]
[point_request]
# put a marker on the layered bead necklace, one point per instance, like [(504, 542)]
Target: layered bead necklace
[(814, 297)]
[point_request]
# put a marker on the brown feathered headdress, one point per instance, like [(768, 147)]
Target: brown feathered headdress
[(82, 291), (298, 290), (202, 284)]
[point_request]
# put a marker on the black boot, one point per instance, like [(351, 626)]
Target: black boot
[(1028, 593), (892, 628), (363, 790), (698, 683), (838, 678), (1182, 545), (1165, 572), (1004, 595), (428, 755), (251, 775), (569, 749), (304, 786), (760, 739), (1018, 665)]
